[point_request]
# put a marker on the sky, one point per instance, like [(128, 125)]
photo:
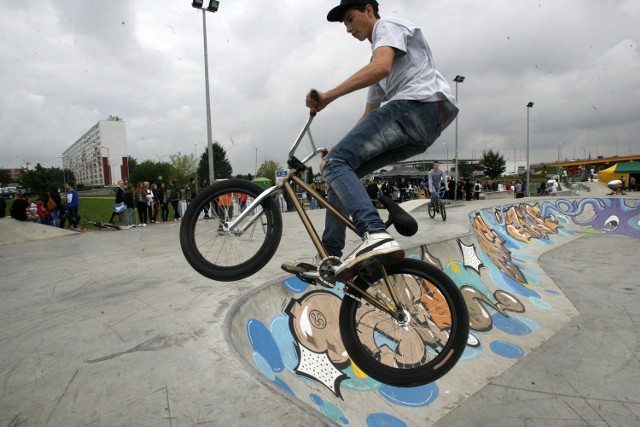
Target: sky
[(67, 64)]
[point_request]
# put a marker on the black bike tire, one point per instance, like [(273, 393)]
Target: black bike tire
[(443, 212), (431, 208), (228, 273), (434, 368)]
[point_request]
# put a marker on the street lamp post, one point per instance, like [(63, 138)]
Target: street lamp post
[(64, 176), (529, 106), (584, 152), (457, 79), (515, 167), (213, 7), (445, 144), (255, 173), (195, 158)]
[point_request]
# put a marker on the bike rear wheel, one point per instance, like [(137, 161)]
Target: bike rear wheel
[(443, 211), (225, 254), (422, 346), (431, 208)]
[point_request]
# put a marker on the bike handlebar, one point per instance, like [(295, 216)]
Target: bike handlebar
[(307, 131)]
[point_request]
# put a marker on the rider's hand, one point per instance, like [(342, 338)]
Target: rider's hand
[(315, 101), (323, 161)]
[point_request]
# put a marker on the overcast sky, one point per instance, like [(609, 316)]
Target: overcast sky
[(67, 64)]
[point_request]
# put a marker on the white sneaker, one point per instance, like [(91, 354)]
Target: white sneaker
[(379, 245)]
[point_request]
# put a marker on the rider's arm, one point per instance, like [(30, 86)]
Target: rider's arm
[(376, 70)]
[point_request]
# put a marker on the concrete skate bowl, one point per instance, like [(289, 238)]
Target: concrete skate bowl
[(513, 305)]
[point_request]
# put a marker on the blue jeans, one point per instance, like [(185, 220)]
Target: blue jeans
[(396, 131), (55, 218), (129, 220), (435, 195)]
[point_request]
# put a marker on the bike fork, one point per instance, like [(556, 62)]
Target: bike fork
[(388, 304)]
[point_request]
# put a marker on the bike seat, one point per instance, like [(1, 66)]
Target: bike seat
[(404, 223)]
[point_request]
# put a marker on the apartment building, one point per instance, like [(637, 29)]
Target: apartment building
[(99, 157)]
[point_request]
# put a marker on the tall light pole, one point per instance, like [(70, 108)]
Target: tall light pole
[(457, 79), (445, 144), (255, 173), (584, 152), (529, 106), (64, 176), (213, 7), (195, 158), (515, 167)]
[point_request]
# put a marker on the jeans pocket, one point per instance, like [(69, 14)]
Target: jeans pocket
[(420, 122)]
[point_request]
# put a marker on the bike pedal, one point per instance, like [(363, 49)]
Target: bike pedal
[(303, 270)]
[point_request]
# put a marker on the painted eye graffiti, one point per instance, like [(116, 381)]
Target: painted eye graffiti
[(611, 223)]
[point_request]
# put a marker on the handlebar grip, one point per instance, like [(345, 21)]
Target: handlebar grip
[(314, 95)]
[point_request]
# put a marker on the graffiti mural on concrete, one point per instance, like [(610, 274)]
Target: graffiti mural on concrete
[(493, 267)]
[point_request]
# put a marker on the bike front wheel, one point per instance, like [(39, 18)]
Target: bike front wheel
[(431, 208), (443, 211), (421, 344), (227, 254)]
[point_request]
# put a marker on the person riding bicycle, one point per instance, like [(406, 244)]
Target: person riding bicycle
[(418, 106), (437, 180), (616, 186)]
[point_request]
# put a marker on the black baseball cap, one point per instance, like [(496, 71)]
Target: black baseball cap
[(337, 13)]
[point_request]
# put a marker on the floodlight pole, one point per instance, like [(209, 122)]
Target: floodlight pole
[(457, 79), (529, 106), (213, 7)]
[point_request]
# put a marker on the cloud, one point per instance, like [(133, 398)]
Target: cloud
[(67, 65)]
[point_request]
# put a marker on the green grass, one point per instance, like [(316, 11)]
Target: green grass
[(96, 208)]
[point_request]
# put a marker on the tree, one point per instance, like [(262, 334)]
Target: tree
[(131, 164), (464, 169), (183, 166), (494, 163), (150, 171), (39, 179), (268, 170), (4, 177), (221, 164)]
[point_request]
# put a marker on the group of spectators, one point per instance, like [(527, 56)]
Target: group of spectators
[(151, 201), (48, 209)]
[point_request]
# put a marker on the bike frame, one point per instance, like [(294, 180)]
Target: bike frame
[(285, 184)]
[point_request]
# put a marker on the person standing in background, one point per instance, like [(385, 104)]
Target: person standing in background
[(130, 201), (73, 204)]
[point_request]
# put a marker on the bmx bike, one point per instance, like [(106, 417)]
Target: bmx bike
[(404, 324), (438, 206)]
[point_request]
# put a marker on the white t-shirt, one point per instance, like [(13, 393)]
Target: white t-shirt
[(413, 75)]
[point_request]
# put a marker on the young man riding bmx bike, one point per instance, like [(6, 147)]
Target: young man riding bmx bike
[(417, 107)]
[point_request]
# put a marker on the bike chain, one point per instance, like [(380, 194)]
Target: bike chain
[(331, 284)]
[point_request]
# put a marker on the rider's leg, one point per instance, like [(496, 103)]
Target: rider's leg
[(333, 236), (384, 136)]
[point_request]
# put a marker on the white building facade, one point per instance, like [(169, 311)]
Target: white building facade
[(99, 157)]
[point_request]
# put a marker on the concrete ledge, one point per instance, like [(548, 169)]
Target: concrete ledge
[(14, 231), (562, 193), (490, 195)]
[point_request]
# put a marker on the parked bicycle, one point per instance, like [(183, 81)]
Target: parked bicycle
[(388, 312)]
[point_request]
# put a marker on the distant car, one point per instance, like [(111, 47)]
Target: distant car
[(477, 174)]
